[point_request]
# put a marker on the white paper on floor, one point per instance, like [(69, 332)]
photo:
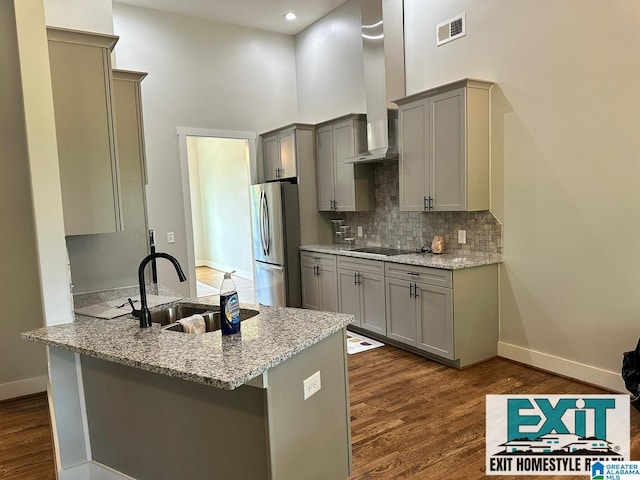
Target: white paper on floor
[(357, 343)]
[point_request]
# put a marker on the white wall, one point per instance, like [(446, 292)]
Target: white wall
[(224, 167), (202, 74), (89, 15), (565, 167), (329, 66), (224, 210)]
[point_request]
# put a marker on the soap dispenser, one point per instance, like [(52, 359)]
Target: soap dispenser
[(229, 306)]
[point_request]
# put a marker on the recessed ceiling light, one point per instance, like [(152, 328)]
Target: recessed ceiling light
[(289, 16)]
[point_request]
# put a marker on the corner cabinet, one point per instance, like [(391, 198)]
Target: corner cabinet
[(343, 187), (319, 281), (444, 148), (450, 314), (282, 149), (361, 292), (82, 86)]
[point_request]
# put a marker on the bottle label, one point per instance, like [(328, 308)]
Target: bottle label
[(230, 313)]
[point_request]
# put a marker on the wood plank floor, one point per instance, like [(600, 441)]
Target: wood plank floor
[(26, 443), (213, 277), (410, 418), (413, 418)]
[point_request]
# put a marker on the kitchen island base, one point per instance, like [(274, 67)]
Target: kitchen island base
[(152, 426)]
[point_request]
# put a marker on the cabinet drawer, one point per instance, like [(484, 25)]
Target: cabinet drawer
[(324, 259), (431, 276), (362, 265)]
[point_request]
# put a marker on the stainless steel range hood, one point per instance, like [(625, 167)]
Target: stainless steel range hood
[(383, 56)]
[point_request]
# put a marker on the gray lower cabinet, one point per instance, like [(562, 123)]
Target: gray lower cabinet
[(450, 314), (421, 315), (361, 292), (319, 281)]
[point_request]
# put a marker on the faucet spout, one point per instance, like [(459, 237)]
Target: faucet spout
[(144, 314)]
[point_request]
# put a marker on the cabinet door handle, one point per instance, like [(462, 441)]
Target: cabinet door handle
[(411, 290), (430, 202), (355, 279), (415, 290), (426, 205)]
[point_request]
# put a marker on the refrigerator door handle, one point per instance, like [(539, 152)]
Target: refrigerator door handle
[(263, 220), (267, 225)]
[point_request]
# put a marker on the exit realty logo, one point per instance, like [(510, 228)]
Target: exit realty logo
[(555, 434)]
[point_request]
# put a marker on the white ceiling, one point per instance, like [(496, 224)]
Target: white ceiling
[(262, 14)]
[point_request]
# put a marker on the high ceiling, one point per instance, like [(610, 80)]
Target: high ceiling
[(262, 14)]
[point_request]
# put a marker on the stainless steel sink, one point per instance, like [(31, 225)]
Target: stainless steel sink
[(169, 317)]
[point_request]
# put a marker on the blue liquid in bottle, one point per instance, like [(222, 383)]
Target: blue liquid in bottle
[(229, 306)]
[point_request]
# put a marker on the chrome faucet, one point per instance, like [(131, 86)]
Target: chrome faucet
[(144, 314)]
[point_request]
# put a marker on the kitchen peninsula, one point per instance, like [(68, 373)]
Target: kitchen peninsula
[(163, 404)]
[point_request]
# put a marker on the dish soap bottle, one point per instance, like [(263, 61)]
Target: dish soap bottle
[(229, 306)]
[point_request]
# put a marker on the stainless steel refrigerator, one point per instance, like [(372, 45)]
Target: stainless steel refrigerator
[(276, 238)]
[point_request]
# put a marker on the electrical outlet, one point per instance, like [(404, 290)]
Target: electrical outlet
[(462, 236), (359, 231), (312, 385), (171, 237)]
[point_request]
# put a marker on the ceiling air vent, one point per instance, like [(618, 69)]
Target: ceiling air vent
[(450, 30)]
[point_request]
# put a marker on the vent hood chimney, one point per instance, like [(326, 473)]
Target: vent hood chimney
[(383, 50)]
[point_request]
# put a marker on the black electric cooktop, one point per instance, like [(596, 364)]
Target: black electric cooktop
[(382, 251)]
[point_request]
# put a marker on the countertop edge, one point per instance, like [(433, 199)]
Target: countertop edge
[(446, 261), (211, 380)]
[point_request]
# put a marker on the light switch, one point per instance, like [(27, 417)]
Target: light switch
[(171, 237), (462, 236)]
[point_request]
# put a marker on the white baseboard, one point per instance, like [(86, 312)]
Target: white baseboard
[(562, 366), (224, 268), (92, 471), (28, 386)]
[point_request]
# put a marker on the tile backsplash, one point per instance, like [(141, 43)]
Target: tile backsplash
[(388, 226)]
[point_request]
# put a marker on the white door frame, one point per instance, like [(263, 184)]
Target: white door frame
[(183, 133)]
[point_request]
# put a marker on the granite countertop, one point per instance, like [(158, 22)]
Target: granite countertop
[(266, 340), (445, 261)]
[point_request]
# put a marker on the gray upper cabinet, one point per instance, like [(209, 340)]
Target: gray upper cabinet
[(82, 86), (444, 148), (343, 187), (282, 150), (131, 159)]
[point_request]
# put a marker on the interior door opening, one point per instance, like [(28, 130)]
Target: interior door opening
[(219, 178)]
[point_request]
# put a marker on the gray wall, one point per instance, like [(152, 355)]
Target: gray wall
[(565, 172), (24, 366), (564, 161), (329, 66), (202, 74)]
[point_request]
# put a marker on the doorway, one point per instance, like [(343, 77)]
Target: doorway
[(217, 210)]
